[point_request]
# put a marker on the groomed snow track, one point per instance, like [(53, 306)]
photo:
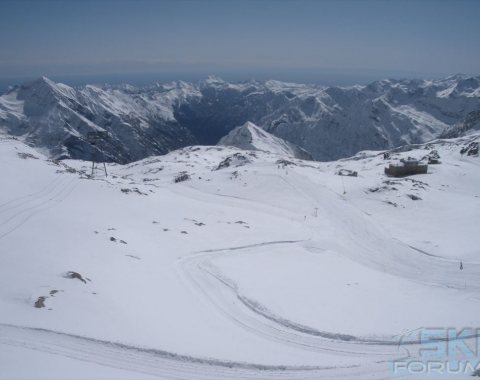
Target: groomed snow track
[(164, 364)]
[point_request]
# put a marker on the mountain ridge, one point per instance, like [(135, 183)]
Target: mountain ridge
[(328, 122)]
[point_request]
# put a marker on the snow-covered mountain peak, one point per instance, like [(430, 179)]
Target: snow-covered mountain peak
[(39, 97), (456, 77), (40, 81), (213, 80), (44, 86), (43, 80), (251, 137), (459, 86)]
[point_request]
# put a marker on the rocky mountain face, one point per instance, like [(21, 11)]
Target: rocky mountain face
[(469, 124), (250, 137), (328, 122), (59, 118)]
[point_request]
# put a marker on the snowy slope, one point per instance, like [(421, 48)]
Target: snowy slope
[(328, 122), (217, 263), (250, 137)]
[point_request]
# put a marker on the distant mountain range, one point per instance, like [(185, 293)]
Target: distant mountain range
[(327, 122)]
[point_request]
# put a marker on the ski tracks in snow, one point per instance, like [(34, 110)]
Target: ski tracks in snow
[(16, 212), (201, 275), (165, 364)]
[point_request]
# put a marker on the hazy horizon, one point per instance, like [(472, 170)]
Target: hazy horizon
[(325, 42), (325, 78)]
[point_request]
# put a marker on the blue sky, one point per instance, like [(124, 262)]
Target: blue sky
[(249, 38)]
